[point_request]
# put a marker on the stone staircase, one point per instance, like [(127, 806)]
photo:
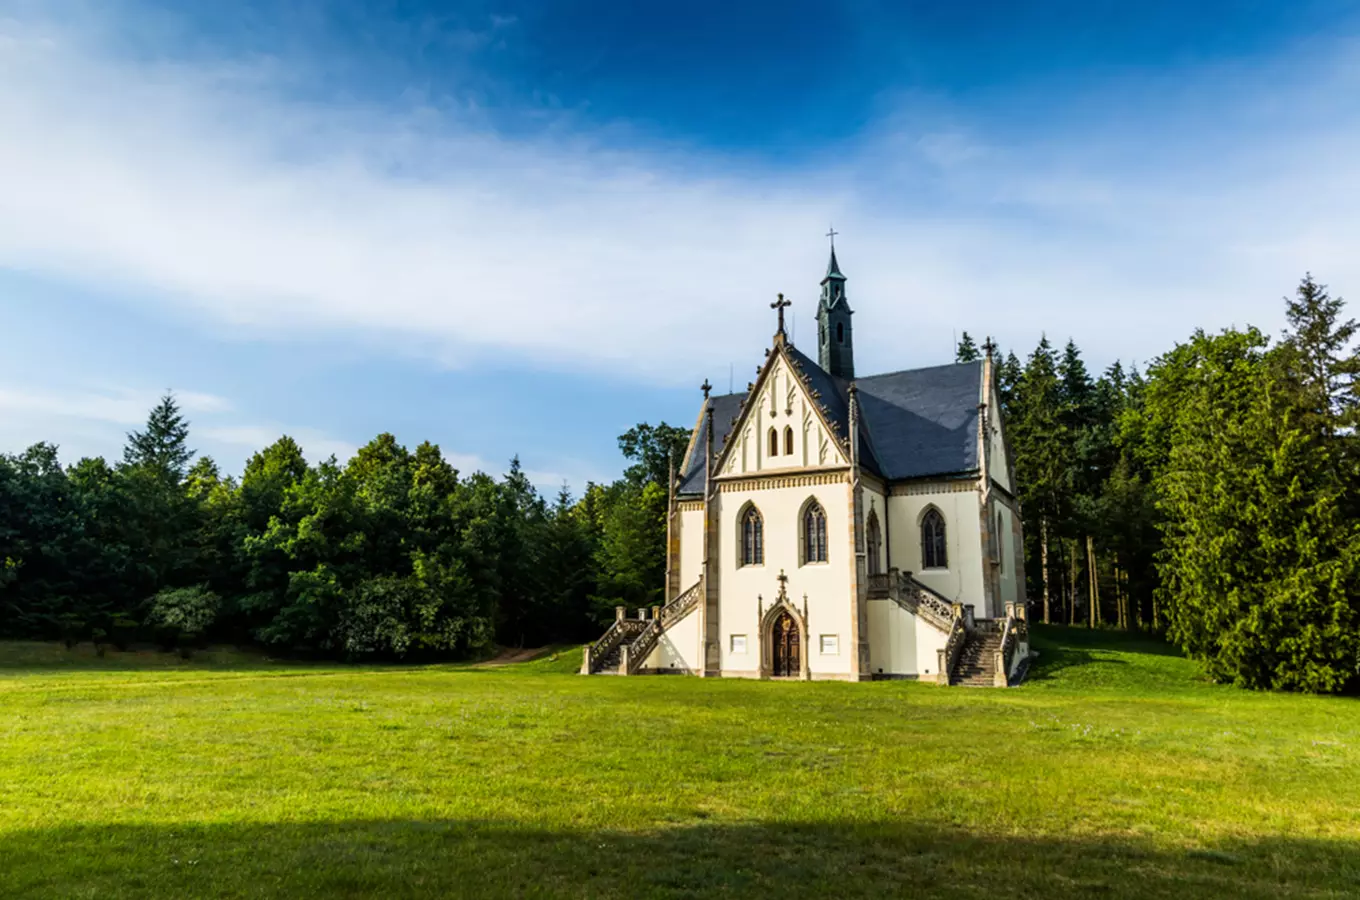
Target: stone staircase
[(977, 660), (624, 648), (609, 664)]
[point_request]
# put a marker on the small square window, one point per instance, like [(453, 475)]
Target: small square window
[(738, 643), (831, 644)]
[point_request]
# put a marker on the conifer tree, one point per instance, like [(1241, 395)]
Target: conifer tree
[(967, 351), (1038, 437), (162, 449)]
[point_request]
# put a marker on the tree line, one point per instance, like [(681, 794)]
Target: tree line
[(1213, 497), (394, 554)]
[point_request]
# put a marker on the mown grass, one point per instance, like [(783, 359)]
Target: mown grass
[(1115, 772)]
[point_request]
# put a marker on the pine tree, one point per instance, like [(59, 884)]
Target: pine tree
[(967, 351), (1038, 438), (162, 449), (1008, 373), (1328, 363)]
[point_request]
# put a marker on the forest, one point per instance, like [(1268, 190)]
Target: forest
[(1213, 497)]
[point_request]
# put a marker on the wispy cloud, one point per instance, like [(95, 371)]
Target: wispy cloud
[(212, 188), (118, 406)]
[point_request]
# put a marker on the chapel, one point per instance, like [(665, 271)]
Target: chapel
[(830, 525)]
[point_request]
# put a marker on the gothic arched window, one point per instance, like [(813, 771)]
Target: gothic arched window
[(752, 538), (814, 533), (788, 440), (872, 539), (933, 555), (774, 442)]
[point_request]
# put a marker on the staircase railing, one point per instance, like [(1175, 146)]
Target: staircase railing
[(953, 649), (635, 638), (678, 608), (921, 601), (636, 652), (616, 634), (1013, 632)]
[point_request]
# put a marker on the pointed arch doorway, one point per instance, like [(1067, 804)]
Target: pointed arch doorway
[(786, 650)]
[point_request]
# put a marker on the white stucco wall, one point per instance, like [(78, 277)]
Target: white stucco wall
[(827, 585), (961, 581), (782, 403), (679, 648), (1006, 544), (900, 643), (691, 547)]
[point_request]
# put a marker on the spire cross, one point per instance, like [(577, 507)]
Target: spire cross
[(781, 304), (832, 234), (988, 347), (705, 387)]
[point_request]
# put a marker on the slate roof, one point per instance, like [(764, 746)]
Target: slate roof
[(923, 422), (913, 424), (833, 268), (725, 410)]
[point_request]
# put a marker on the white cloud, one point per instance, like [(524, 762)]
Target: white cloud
[(205, 187), (117, 406)]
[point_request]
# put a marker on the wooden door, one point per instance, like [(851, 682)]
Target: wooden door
[(786, 657)]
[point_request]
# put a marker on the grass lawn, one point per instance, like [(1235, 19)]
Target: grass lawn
[(1115, 772)]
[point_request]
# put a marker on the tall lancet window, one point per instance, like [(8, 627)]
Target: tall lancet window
[(774, 443), (873, 539), (933, 553), (814, 533), (788, 440), (752, 538)]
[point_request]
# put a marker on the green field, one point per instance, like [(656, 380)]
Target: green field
[(1115, 772)]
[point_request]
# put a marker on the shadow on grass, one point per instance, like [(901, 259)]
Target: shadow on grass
[(1077, 638), (407, 859), (53, 656), (1085, 658)]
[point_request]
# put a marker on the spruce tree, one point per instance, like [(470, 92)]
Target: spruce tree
[(1327, 361), (967, 351), (162, 449)]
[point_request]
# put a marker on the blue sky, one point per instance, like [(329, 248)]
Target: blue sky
[(521, 228)]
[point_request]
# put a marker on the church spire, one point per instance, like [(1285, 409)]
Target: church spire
[(835, 339)]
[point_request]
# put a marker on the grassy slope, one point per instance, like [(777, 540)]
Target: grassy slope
[(1115, 772)]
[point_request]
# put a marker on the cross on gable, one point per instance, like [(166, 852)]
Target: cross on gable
[(988, 347), (783, 585), (705, 387), (781, 304)]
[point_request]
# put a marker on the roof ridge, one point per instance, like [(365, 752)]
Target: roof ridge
[(973, 362)]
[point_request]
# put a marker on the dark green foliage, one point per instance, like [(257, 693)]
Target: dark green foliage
[(967, 351), (162, 449), (391, 555), (183, 615), (651, 450), (1215, 498), (1256, 484)]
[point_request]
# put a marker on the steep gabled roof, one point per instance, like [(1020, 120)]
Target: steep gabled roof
[(916, 423), (726, 407)]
